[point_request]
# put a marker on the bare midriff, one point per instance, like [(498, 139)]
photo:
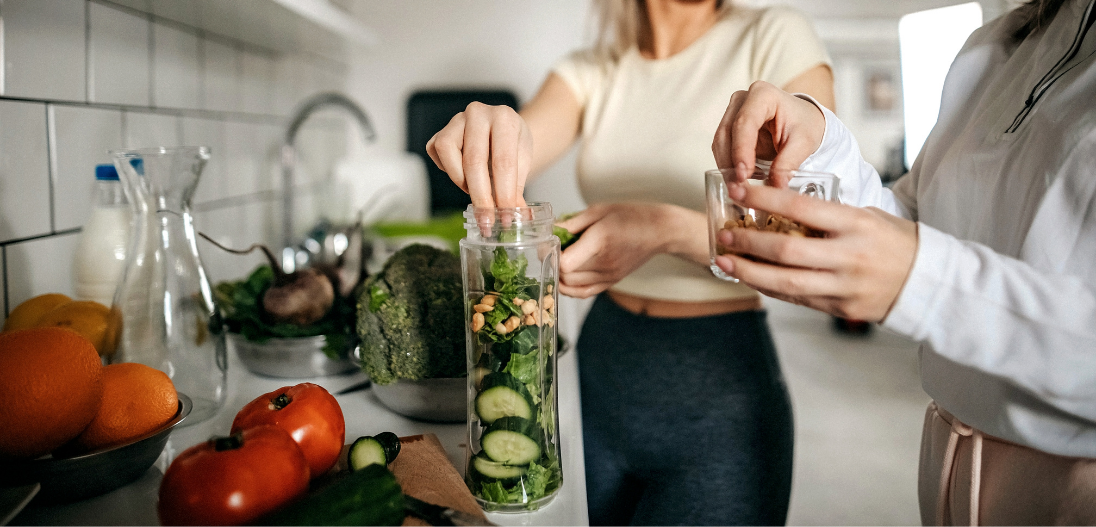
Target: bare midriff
[(653, 307)]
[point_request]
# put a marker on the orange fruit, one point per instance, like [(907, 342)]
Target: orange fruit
[(50, 387), (90, 319), (137, 399), (26, 314)]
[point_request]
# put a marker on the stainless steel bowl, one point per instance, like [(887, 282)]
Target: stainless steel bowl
[(300, 357), (436, 400), (75, 478)]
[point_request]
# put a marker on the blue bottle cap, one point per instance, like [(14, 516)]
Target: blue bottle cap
[(106, 173)]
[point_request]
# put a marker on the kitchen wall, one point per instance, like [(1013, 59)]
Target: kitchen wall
[(80, 77)]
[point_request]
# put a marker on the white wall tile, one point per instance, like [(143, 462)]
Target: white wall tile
[(82, 137), (44, 49), (257, 83), (176, 71), (119, 68), (209, 133), (24, 170), (186, 12), (145, 130), (287, 84), (251, 154), (236, 227), (221, 77), (40, 266)]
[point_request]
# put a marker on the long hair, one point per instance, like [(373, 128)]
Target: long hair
[(1035, 15), (623, 24)]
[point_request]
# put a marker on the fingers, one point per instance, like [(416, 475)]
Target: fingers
[(505, 140), (579, 222), (583, 291), (748, 126), (721, 144), (769, 122), (790, 282), (782, 249), (446, 150)]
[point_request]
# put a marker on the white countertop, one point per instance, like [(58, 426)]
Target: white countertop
[(135, 504)]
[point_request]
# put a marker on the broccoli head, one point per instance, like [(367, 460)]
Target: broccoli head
[(411, 317)]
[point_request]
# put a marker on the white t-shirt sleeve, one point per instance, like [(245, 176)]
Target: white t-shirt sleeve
[(582, 72), (785, 46)]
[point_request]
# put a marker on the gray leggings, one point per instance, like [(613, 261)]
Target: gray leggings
[(685, 421)]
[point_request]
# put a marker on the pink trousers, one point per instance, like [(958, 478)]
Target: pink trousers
[(969, 478)]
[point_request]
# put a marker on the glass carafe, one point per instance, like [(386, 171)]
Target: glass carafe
[(510, 261), (163, 313)]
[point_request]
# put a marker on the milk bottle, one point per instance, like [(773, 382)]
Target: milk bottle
[(101, 252)]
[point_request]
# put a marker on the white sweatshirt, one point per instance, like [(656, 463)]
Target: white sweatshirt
[(1002, 294)]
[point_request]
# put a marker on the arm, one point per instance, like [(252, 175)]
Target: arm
[(489, 151), (554, 117), (816, 82)]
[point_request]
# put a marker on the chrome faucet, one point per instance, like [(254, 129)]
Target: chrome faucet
[(289, 159)]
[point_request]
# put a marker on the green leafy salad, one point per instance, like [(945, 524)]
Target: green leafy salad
[(517, 462), (241, 306)]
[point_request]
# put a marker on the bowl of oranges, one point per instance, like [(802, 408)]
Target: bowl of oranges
[(71, 424)]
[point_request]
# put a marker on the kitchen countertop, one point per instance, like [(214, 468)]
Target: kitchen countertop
[(135, 504)]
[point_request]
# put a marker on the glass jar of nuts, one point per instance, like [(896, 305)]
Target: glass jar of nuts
[(510, 262), (724, 213)]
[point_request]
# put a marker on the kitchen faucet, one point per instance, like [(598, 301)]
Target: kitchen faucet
[(289, 158)]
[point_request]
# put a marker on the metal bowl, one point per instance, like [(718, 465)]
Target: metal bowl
[(299, 357), (435, 400), (68, 479)]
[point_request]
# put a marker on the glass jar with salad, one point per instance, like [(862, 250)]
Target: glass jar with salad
[(510, 262)]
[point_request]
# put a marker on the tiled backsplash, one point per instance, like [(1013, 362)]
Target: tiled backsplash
[(81, 77)]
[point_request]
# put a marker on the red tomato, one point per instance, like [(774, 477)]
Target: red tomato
[(309, 413), (233, 480)]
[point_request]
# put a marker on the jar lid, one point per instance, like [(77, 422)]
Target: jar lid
[(106, 172)]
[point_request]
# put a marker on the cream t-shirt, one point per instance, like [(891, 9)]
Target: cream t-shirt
[(647, 125)]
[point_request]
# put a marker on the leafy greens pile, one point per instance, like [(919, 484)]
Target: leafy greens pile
[(240, 304)]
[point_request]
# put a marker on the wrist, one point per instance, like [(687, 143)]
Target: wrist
[(678, 232)]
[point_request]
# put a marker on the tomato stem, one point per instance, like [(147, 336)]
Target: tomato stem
[(281, 401), (231, 442)]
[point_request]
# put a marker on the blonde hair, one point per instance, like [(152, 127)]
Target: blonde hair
[(622, 23)]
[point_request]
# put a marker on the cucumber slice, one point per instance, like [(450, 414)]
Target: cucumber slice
[(495, 470), (366, 451), (503, 396), (391, 444), (512, 441)]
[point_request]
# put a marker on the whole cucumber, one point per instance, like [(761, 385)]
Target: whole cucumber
[(370, 496)]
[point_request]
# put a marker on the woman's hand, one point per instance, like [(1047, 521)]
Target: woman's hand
[(856, 272), (769, 123), (616, 239), (487, 151)]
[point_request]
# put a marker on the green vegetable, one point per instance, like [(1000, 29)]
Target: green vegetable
[(536, 482), (240, 304), (487, 468), (370, 496), (411, 317), (503, 395), (366, 451), (566, 237), (513, 441)]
